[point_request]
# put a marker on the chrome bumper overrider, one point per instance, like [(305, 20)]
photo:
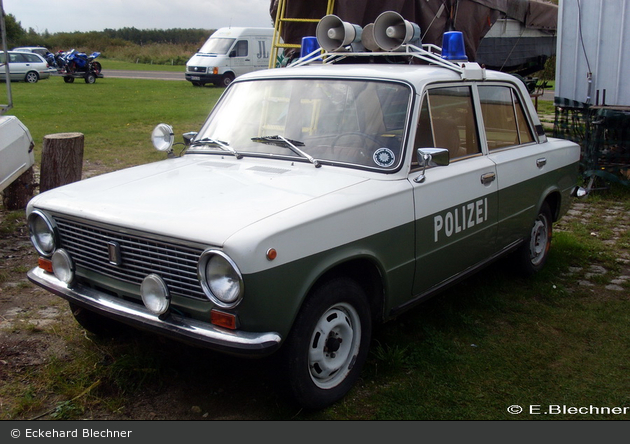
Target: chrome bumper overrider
[(177, 327)]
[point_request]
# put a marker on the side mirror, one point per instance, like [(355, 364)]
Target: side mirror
[(188, 137), (429, 158)]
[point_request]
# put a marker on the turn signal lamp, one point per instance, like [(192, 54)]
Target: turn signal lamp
[(45, 264), (453, 47), (222, 319)]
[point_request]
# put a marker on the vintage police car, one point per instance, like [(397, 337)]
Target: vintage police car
[(315, 201)]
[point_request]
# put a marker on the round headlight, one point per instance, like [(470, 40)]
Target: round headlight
[(42, 233), (63, 266), (220, 279), (155, 295)]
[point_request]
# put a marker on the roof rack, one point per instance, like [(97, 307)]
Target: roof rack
[(428, 53)]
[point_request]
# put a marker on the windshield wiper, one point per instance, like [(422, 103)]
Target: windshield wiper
[(214, 142), (287, 143)]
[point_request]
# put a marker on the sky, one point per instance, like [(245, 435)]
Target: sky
[(96, 15)]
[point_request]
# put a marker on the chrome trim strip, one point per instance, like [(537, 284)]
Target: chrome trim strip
[(174, 326)]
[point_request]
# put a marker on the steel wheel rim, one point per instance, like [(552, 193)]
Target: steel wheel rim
[(539, 242), (334, 345)]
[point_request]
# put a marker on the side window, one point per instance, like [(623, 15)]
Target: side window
[(32, 58), (241, 48), (503, 117), (16, 58), (452, 120)]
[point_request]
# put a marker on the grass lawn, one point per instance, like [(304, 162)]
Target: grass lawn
[(115, 115)]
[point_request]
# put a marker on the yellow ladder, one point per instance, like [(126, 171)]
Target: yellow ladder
[(280, 20)]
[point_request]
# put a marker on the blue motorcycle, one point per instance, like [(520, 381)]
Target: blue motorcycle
[(80, 65)]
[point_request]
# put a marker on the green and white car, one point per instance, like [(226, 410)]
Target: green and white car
[(314, 202)]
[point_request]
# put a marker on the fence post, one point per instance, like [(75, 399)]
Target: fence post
[(62, 160)]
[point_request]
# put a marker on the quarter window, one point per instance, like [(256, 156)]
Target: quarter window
[(504, 117)]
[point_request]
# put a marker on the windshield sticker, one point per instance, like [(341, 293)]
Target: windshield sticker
[(384, 157)]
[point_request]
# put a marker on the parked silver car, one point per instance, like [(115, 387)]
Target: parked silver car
[(36, 49), (24, 66)]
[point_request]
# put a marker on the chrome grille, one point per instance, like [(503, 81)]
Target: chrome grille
[(140, 256)]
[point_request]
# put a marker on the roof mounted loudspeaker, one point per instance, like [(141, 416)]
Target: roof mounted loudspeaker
[(391, 31), (367, 38), (333, 34)]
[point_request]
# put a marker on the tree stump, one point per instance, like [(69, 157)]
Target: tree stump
[(62, 160), (19, 192)]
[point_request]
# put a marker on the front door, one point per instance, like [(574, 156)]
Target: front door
[(455, 205)]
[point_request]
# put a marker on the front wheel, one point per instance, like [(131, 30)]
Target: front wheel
[(226, 79), (532, 254), (328, 344)]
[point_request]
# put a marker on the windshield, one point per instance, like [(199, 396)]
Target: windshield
[(216, 46), (354, 122)]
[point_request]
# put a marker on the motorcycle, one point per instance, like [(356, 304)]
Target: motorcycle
[(79, 64), (57, 60)]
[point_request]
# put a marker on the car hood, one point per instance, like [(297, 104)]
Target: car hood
[(199, 198)]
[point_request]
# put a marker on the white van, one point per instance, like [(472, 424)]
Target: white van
[(228, 53)]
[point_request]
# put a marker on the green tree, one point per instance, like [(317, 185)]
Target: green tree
[(15, 32)]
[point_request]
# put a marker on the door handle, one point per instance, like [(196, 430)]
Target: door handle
[(541, 162), (488, 178)]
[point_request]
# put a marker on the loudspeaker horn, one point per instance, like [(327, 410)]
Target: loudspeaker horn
[(367, 38), (334, 34), (391, 31)]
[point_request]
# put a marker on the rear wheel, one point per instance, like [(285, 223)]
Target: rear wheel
[(532, 255), (97, 68), (31, 77), (329, 344), (68, 79), (90, 78)]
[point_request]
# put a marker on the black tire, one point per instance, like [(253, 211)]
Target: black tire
[(90, 78), (532, 254), (328, 344), (97, 68), (68, 79), (97, 324), (227, 79)]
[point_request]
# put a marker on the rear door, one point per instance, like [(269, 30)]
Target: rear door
[(521, 161), (455, 205)]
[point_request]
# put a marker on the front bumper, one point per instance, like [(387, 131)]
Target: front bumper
[(177, 327), (203, 78)]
